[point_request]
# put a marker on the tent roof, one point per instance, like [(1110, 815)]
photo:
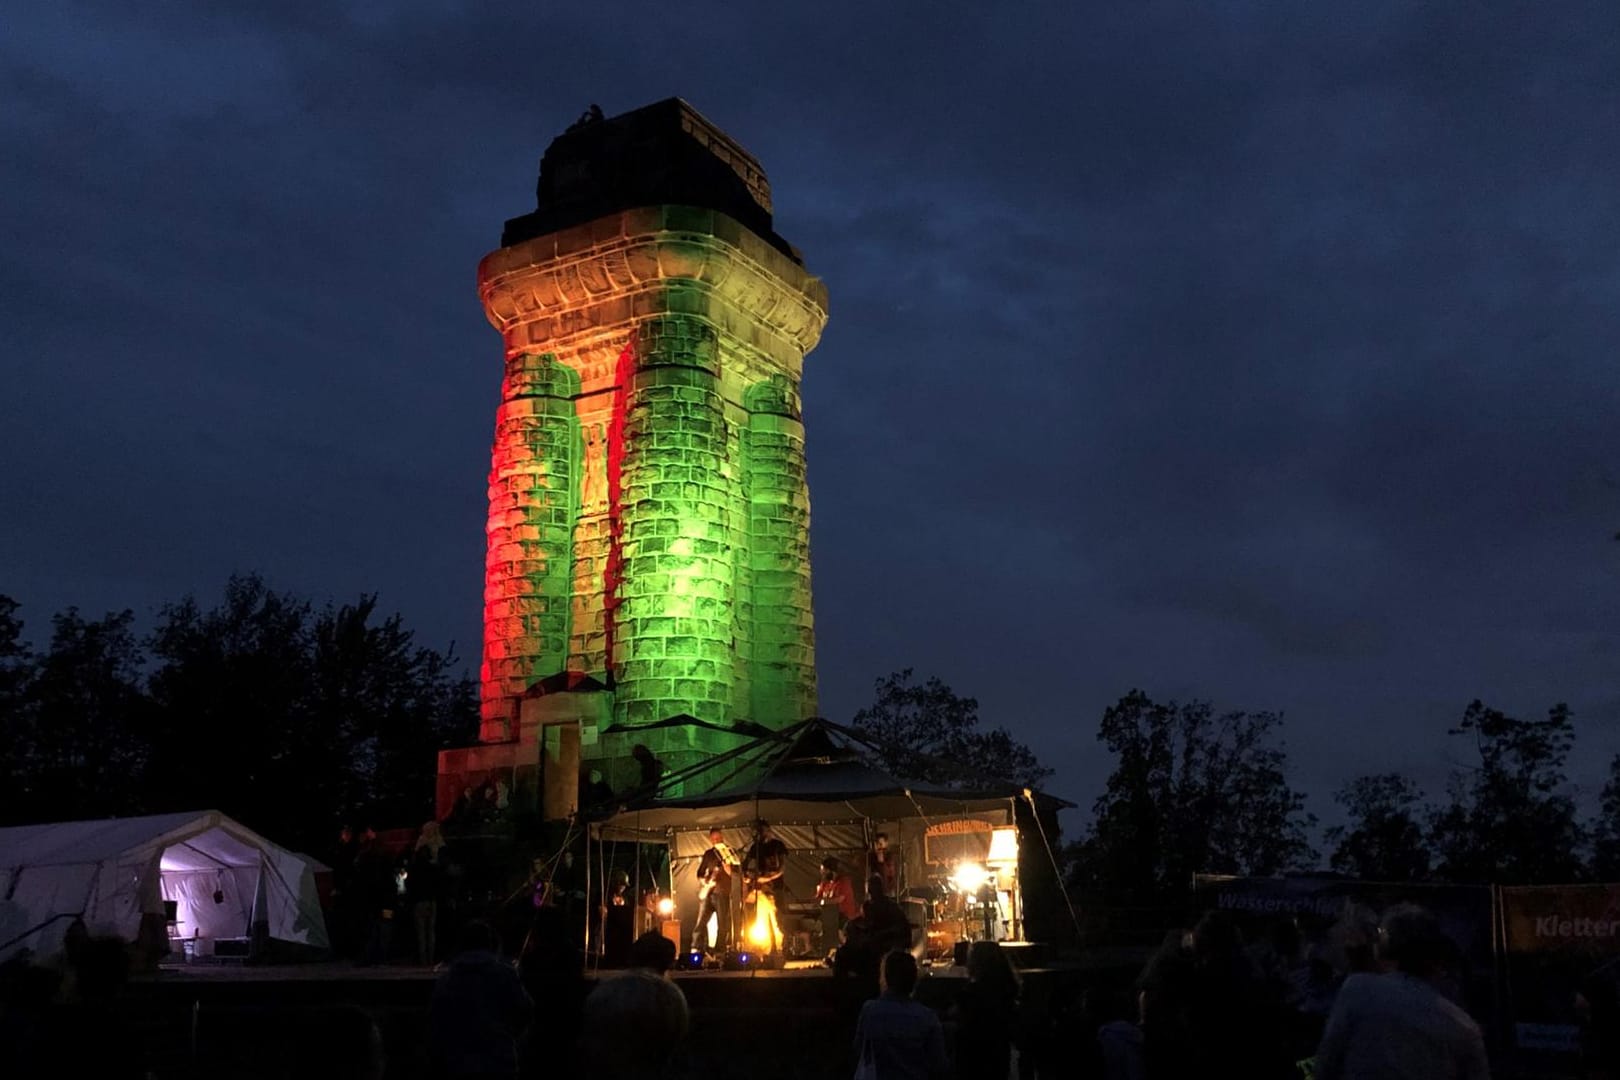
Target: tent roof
[(743, 728), (198, 840), (812, 771)]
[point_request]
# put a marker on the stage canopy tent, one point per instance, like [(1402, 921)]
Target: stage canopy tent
[(815, 772), (817, 786), (223, 878)]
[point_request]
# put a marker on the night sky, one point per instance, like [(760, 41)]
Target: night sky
[(1258, 352)]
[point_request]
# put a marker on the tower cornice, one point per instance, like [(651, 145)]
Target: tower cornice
[(550, 292)]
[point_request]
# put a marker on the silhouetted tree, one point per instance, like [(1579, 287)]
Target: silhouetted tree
[(397, 702), (1383, 840), (81, 747), (1512, 820), (285, 716), (294, 720), (1606, 830), (929, 733), (1192, 791), (17, 672), (233, 688)]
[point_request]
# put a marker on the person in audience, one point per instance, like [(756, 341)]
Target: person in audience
[(896, 1037), (633, 1027), (338, 1043), (88, 1032), (1399, 1026), (552, 967), (985, 1014), (422, 899), (653, 952), (1119, 1053), (1597, 1007), (880, 927), (478, 1010)]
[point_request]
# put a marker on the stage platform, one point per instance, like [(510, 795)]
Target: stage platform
[(216, 1018), (227, 972)]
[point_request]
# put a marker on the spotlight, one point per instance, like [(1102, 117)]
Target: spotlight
[(741, 961), (693, 961), (666, 908), (969, 877)]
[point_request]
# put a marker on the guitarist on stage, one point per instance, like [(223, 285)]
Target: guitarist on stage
[(764, 866), (714, 894)]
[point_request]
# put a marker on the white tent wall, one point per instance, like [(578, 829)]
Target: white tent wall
[(198, 914), (290, 902), (33, 897), (116, 872)]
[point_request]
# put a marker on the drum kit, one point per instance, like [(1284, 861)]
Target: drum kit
[(961, 905)]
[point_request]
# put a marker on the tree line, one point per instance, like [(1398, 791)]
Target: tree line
[(1196, 790), (294, 718), (285, 715)]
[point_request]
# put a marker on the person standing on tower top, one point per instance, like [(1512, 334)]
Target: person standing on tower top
[(652, 770)]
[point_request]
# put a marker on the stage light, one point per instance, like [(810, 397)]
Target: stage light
[(762, 931), (1003, 847), (693, 961), (666, 907), (969, 877)]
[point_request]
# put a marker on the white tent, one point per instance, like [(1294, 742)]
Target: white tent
[(225, 881)]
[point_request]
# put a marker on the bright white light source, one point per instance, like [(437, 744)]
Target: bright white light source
[(666, 907), (761, 933), (969, 876)]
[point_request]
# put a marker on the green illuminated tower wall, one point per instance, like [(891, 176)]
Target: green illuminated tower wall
[(779, 552), (648, 531), (676, 619)]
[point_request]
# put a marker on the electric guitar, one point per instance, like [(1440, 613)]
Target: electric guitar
[(727, 859)]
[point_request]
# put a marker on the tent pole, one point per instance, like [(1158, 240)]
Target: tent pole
[(587, 900), (1057, 870), (681, 775)]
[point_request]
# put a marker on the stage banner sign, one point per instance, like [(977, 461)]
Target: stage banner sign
[(1558, 938), (1336, 917)]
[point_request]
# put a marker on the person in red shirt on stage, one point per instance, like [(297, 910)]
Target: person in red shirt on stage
[(835, 897)]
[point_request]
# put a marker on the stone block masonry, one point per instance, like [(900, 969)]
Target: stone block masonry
[(648, 531)]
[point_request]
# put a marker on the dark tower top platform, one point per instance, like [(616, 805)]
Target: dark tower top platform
[(661, 154)]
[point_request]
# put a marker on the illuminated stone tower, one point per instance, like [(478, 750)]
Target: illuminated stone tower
[(648, 532)]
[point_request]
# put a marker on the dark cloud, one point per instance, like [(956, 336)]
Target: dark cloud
[(1259, 352)]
